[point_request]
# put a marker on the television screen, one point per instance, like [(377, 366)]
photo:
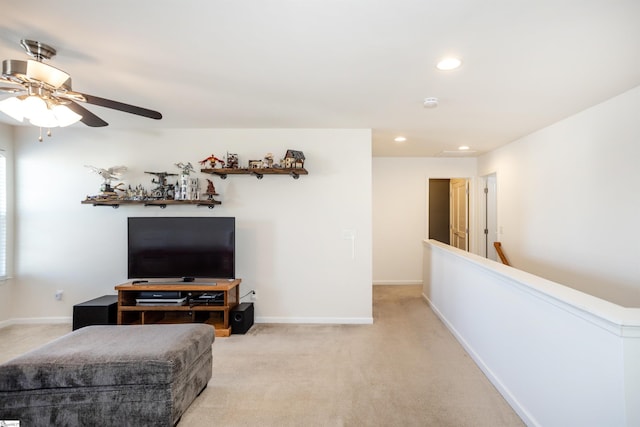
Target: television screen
[(181, 247)]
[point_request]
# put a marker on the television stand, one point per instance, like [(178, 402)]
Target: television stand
[(216, 315)]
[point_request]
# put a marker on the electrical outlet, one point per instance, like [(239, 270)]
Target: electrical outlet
[(59, 293), (254, 296)]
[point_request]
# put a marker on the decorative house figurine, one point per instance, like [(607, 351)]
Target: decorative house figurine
[(255, 164), (137, 193), (294, 159), (212, 160), (268, 161), (232, 161), (186, 188)]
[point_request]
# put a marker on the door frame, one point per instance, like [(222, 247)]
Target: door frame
[(488, 215), (473, 239)]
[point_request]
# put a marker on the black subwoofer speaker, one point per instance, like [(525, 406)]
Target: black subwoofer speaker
[(241, 318), (99, 311)]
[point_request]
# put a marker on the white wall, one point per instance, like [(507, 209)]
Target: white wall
[(289, 237), (400, 214), (6, 286), (568, 200)]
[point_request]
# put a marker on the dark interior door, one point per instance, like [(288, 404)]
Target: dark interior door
[(439, 210)]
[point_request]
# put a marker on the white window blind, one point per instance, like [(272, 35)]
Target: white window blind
[(3, 216)]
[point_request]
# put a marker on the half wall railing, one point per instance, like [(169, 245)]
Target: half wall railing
[(560, 357)]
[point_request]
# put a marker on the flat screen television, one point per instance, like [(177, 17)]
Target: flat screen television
[(181, 247)]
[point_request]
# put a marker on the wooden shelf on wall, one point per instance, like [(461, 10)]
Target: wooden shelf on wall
[(115, 203), (257, 172)]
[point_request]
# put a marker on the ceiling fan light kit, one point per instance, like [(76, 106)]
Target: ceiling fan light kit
[(44, 94), (13, 108), (40, 111)]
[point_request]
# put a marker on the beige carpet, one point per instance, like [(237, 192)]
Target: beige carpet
[(404, 370)]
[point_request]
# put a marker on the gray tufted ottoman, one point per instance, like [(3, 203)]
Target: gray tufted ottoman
[(109, 375)]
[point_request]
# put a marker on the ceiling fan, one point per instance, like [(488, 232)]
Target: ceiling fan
[(44, 93)]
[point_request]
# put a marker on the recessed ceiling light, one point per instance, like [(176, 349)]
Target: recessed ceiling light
[(400, 139), (463, 147), (448, 64)]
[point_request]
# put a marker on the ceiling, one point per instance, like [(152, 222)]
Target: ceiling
[(341, 63)]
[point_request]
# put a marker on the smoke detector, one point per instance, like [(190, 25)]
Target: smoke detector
[(430, 102)]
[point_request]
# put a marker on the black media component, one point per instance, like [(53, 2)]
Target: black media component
[(208, 298), (98, 311), (241, 318), (181, 247), (160, 294)]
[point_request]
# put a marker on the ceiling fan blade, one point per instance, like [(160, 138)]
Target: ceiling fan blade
[(11, 89), (8, 89), (127, 108), (88, 118)]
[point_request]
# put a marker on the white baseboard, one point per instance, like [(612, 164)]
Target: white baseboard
[(397, 282), (36, 321), (318, 320), (299, 320)]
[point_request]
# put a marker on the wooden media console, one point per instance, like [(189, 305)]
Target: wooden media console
[(193, 310)]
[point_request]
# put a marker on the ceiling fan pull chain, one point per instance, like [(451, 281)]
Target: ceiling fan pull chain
[(40, 136)]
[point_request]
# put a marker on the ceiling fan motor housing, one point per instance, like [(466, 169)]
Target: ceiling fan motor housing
[(30, 71), (38, 50)]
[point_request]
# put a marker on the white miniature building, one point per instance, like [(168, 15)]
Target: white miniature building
[(187, 189)]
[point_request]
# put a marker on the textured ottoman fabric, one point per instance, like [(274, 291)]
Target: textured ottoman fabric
[(109, 375)]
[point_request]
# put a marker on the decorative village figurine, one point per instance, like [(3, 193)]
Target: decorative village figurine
[(232, 161), (294, 159), (268, 161), (255, 164), (212, 160), (110, 174), (186, 188), (163, 190), (137, 193)]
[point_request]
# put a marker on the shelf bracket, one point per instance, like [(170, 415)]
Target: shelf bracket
[(161, 206), (294, 175), (257, 175), (106, 204)]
